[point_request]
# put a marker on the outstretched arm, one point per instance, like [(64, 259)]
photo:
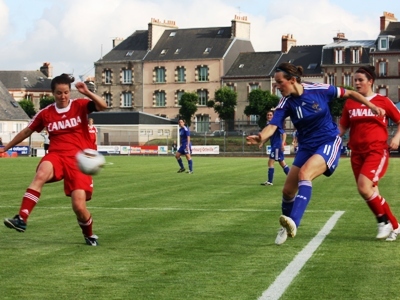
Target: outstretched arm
[(262, 137), (360, 98), (22, 135), (98, 101)]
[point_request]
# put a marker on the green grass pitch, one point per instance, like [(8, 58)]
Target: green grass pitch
[(209, 235)]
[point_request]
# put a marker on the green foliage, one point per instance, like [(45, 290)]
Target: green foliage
[(45, 101), (188, 105), (28, 107), (225, 103), (260, 102), (336, 106)]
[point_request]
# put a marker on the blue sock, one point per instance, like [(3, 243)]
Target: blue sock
[(180, 163), (287, 206), (301, 201), (190, 163), (286, 169), (270, 174)]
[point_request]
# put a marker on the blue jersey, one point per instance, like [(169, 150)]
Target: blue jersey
[(184, 132), (276, 138), (310, 114)]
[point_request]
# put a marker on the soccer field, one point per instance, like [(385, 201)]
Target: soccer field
[(209, 235)]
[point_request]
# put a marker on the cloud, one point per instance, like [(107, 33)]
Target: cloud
[(4, 18)]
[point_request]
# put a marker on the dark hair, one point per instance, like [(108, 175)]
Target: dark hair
[(62, 79), (290, 70), (368, 71)]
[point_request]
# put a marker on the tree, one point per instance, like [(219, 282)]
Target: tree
[(188, 105), (336, 106), (224, 105), (45, 101), (28, 107), (259, 103)]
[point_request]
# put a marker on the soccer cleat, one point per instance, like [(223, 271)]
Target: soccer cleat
[(92, 240), (289, 224), (189, 172), (393, 234), (16, 223), (281, 237), (267, 183), (181, 170), (384, 230)]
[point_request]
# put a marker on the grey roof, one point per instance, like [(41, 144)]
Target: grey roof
[(394, 30), (254, 64), (137, 42), (307, 56), (128, 118), (9, 108), (192, 43), (347, 44), (29, 80), (328, 56)]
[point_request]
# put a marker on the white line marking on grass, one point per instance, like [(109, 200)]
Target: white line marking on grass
[(278, 287)]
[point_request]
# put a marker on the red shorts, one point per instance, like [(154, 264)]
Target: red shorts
[(372, 165), (65, 167)]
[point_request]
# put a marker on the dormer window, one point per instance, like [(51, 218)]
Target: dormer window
[(172, 34), (164, 51), (129, 53), (221, 31), (177, 51), (339, 56), (207, 51), (241, 66), (383, 44)]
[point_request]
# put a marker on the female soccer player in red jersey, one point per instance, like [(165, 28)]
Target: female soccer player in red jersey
[(67, 124), (368, 142)]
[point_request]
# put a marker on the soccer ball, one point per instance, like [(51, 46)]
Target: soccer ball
[(90, 161)]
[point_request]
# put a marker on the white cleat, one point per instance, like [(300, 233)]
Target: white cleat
[(289, 224), (281, 237), (384, 230), (393, 234)]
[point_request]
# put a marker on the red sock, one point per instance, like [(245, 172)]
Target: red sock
[(375, 204), (86, 227), (29, 201), (389, 214)]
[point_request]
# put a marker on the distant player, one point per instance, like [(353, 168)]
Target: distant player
[(66, 122), (319, 144), (92, 133), (185, 148), (277, 140)]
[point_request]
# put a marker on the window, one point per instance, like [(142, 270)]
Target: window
[(107, 98), (177, 51), (202, 73), (231, 86), (2, 127), (339, 56), (278, 93), (179, 95), (180, 74), (347, 80), (383, 69), (127, 99), (356, 56), (107, 76), (383, 44), (208, 50), (164, 51), (160, 75), (253, 86), (17, 127), (172, 34), (241, 66), (253, 119), (331, 79), (203, 97), (382, 91), (127, 76), (312, 66), (203, 123), (159, 98), (129, 53), (221, 31)]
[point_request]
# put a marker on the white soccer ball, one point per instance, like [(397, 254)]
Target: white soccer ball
[(90, 161)]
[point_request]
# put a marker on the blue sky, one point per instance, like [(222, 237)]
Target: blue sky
[(73, 34)]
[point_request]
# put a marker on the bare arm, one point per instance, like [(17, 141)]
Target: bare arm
[(361, 99), (22, 135), (263, 136), (394, 143), (98, 101)]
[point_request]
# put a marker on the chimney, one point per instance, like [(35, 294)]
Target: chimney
[(287, 42), (340, 37), (47, 70), (240, 27), (155, 30), (116, 41), (386, 19)]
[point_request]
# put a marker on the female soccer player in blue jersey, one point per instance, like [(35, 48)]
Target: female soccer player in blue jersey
[(185, 148), (277, 140), (319, 143)]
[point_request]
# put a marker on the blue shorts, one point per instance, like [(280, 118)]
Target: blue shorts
[(330, 152), (183, 150), (277, 154)]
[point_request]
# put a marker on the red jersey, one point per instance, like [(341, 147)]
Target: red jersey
[(67, 127), (93, 133), (368, 131)]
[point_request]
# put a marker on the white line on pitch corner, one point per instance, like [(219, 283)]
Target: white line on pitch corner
[(278, 287)]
